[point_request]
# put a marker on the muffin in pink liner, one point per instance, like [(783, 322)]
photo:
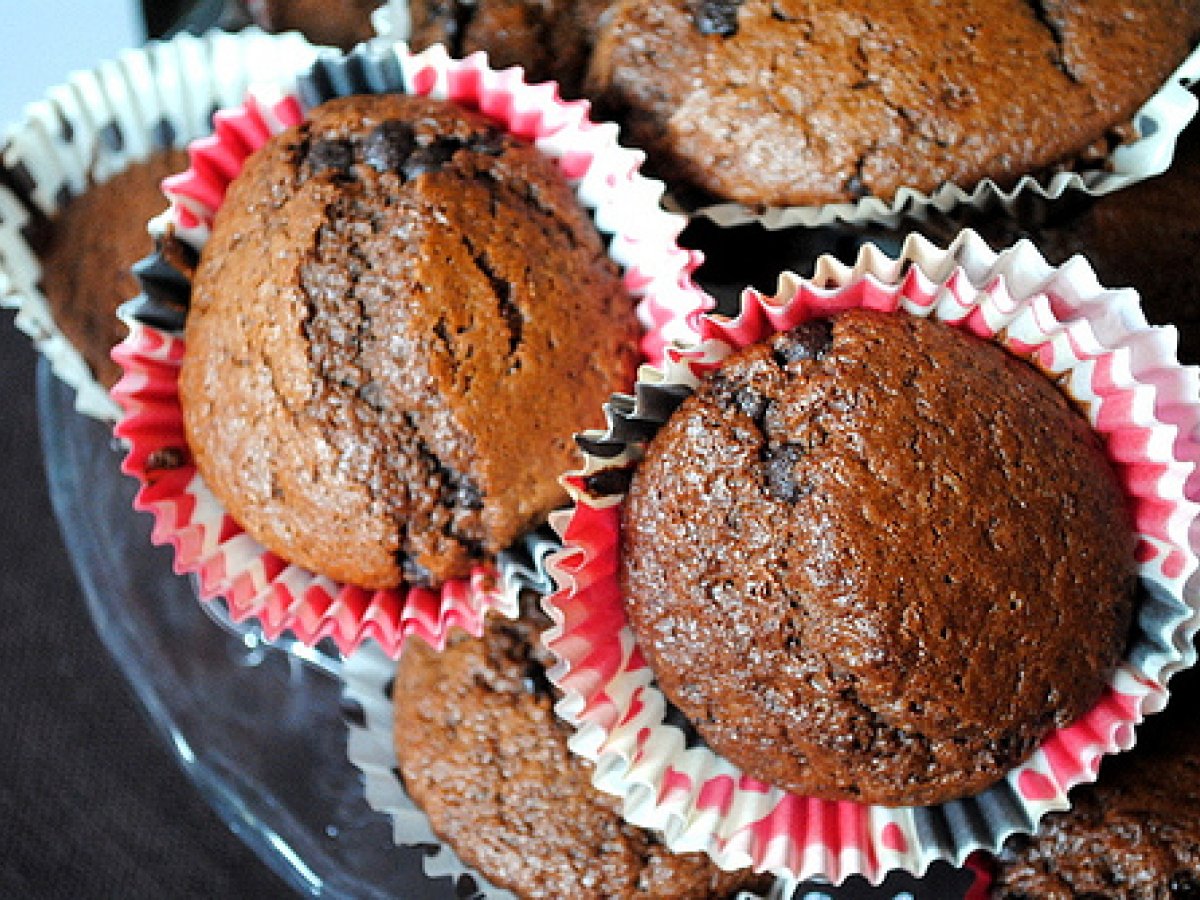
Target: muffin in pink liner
[(1093, 341), (209, 543)]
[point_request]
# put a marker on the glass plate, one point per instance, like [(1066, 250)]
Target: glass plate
[(257, 727)]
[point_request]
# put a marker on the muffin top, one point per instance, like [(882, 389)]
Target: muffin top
[(481, 751), (399, 320), (1135, 833), (791, 102), (878, 559)]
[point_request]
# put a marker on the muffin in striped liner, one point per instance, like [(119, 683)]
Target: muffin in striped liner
[(1122, 372), (228, 562)]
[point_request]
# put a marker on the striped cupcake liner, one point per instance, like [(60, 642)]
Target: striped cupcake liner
[(1158, 123), (95, 126), (1097, 343), (255, 582), (367, 707)]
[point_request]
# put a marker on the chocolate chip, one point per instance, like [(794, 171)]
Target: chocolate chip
[(751, 402), (459, 491), (780, 14), (164, 458), (716, 16), (779, 464), (534, 680), (493, 142), (388, 146), (372, 394), (474, 548), (807, 341), (467, 494), (732, 395), (413, 572), (430, 158), (330, 153)]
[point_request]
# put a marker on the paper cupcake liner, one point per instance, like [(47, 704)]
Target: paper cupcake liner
[(95, 126), (1097, 343), (1158, 123), (367, 707), (255, 582), (392, 21)]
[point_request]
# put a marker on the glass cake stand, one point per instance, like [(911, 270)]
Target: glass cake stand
[(258, 727)]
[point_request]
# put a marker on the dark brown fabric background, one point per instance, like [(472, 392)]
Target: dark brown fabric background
[(92, 804)]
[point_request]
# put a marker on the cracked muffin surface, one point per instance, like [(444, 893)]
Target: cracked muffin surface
[(878, 559), (792, 102), (400, 319), (481, 751)]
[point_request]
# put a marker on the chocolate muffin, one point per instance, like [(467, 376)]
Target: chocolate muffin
[(400, 319), (335, 23), (1135, 833), (481, 751), (878, 559), (91, 245), (549, 39), (788, 102)]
